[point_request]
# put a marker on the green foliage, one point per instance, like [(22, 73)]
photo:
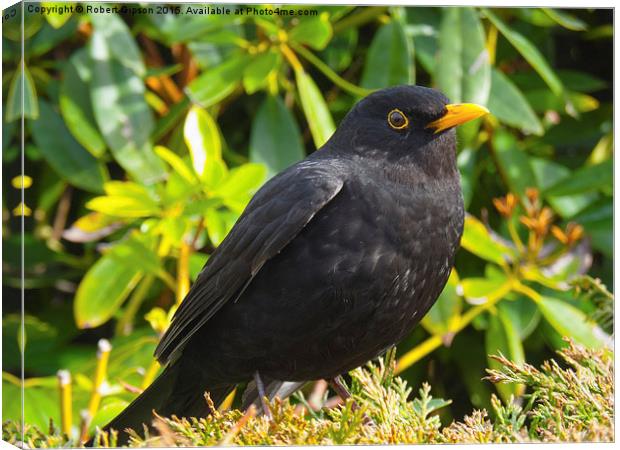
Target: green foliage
[(146, 135), (565, 404)]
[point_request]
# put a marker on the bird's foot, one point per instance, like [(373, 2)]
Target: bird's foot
[(260, 387), (338, 385)]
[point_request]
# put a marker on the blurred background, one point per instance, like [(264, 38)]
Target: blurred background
[(147, 132)]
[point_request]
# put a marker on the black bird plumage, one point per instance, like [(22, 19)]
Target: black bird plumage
[(333, 261)]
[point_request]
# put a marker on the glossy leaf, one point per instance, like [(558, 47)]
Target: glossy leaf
[(120, 45), (315, 32), (239, 186), (75, 104), (586, 179), (565, 19), (21, 78), (572, 322), (477, 240), (523, 314), (463, 71), (219, 223), (255, 75), (447, 309), (121, 112), (124, 199), (510, 106), (501, 337), (275, 140), (543, 100), (202, 138), (102, 291), (54, 18), (513, 163), (387, 62), (70, 160), (217, 83), (529, 52), (317, 113), (478, 290), (549, 173), (176, 163)]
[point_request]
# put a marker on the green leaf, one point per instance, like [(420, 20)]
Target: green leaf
[(202, 138), (510, 106), (14, 99), (54, 18), (40, 404), (447, 309), (316, 32), (466, 162), (275, 140), (339, 53), (543, 100), (70, 160), (565, 19), (215, 84), (501, 337), (103, 289), (523, 314), (513, 163), (119, 43), (240, 184), (572, 322), (196, 262), (529, 52), (315, 109), (585, 179), (219, 223), (598, 221), (124, 199), (547, 174), (463, 72), (256, 74), (107, 412), (388, 63), (176, 163), (477, 240), (75, 104), (121, 111), (477, 290)]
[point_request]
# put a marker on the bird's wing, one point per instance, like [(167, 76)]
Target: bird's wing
[(272, 219)]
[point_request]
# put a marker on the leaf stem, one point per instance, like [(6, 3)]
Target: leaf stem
[(515, 236), (125, 324), (359, 18), (291, 58), (528, 291), (329, 73)]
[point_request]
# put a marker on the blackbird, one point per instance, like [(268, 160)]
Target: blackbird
[(333, 261)]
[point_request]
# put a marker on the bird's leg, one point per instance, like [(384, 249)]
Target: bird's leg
[(337, 384), (260, 387)]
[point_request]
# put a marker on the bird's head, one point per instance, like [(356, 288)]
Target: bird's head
[(405, 121)]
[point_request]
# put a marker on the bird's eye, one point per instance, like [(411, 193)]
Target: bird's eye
[(397, 119)]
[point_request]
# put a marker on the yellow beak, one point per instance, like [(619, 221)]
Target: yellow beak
[(458, 114)]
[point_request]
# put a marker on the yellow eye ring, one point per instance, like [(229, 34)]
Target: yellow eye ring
[(397, 119)]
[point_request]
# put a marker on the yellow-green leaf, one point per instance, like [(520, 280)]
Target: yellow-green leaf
[(202, 137), (315, 109)]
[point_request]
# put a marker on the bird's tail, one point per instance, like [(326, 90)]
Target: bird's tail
[(167, 396)]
